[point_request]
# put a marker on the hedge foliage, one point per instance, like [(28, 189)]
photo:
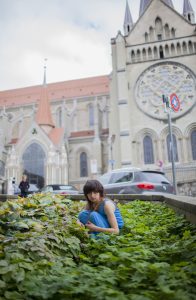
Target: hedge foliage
[(45, 254)]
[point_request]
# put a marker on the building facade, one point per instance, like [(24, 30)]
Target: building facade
[(74, 130), (55, 133), (155, 57)]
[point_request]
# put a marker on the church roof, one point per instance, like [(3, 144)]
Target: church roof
[(44, 116), (56, 135), (143, 6), (187, 7), (169, 2), (145, 3), (56, 91)]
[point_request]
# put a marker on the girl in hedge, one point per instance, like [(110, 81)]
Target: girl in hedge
[(101, 214)]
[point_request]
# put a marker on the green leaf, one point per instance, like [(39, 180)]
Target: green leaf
[(13, 296)]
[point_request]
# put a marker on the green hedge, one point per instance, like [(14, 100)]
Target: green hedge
[(44, 254)]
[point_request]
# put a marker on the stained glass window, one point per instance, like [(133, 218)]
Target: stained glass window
[(83, 165), (148, 150), (193, 144), (33, 164)]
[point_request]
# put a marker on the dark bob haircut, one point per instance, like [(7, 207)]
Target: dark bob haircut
[(93, 186)]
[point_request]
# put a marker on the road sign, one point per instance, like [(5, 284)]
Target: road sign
[(175, 102)]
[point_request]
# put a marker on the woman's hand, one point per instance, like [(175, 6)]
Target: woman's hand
[(80, 223), (91, 226)]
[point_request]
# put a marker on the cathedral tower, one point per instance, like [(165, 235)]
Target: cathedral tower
[(128, 21), (188, 12), (44, 116)]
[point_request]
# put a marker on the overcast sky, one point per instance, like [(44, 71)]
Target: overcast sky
[(74, 35)]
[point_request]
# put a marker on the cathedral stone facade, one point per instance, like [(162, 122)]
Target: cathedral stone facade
[(74, 130), (55, 133), (155, 57)]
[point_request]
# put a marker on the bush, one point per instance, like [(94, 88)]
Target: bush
[(44, 254)]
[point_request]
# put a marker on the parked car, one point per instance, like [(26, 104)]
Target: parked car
[(135, 181), (61, 189), (32, 189)]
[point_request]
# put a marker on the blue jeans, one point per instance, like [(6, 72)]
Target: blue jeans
[(94, 217)]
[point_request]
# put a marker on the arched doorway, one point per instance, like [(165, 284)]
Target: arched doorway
[(33, 164)]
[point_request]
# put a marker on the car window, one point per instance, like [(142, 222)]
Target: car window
[(153, 177), (47, 189), (67, 187), (104, 179), (121, 177)]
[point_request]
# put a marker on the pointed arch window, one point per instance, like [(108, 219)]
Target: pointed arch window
[(174, 148), (155, 52), (184, 47), (91, 115), (166, 27), (2, 168), (144, 54), (133, 56), (148, 150), (34, 164), (146, 37), (83, 165), (151, 33), (193, 144), (158, 25), (173, 33), (149, 53), (178, 47), (161, 54), (166, 50), (190, 47), (59, 117), (138, 55), (172, 49)]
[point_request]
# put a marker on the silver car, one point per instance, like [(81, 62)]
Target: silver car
[(62, 189), (136, 181)]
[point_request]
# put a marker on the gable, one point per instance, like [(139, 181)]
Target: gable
[(159, 18)]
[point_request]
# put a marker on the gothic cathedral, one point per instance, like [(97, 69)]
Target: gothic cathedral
[(67, 132)]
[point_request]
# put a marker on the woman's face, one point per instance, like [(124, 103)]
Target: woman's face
[(94, 197)]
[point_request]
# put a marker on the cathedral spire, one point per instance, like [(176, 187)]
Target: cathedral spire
[(44, 116), (188, 11), (128, 21)]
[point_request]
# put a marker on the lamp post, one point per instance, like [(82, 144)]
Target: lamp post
[(171, 148)]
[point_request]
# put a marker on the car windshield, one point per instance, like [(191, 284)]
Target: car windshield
[(104, 179), (152, 177)]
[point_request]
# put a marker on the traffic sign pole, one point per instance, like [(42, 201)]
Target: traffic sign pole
[(167, 109), (172, 151)]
